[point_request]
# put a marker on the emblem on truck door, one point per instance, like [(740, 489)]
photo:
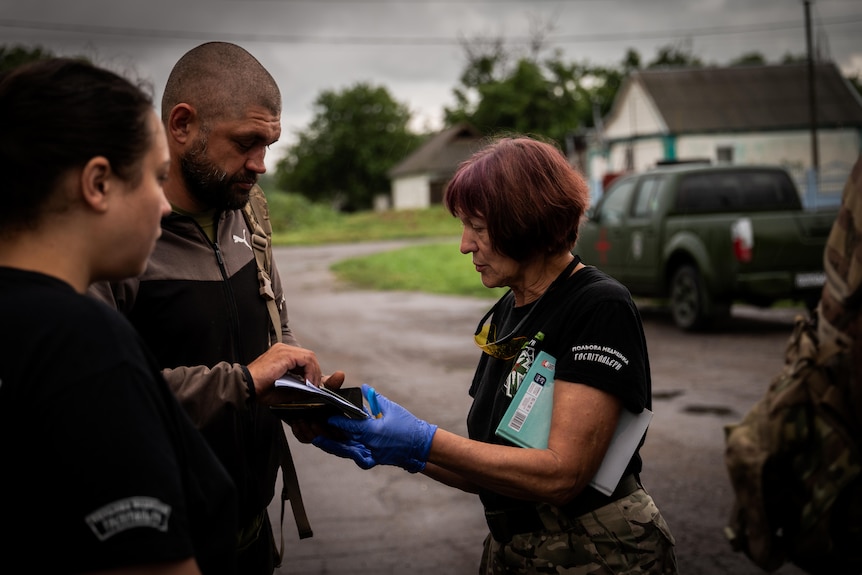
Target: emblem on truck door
[(603, 246)]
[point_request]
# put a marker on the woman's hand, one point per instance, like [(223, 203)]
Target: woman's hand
[(396, 437), (305, 430)]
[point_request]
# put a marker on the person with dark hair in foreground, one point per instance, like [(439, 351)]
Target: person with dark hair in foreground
[(102, 468)]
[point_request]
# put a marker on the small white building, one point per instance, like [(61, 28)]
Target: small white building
[(421, 178), (734, 115)]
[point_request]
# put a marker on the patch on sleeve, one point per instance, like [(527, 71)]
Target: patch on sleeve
[(129, 513), (600, 354)]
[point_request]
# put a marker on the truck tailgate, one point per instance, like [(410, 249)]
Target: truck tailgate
[(814, 226), (784, 241)]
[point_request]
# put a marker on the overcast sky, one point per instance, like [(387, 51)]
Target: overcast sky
[(413, 47)]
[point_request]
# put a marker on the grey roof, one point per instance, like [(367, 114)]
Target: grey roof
[(441, 153), (744, 98)]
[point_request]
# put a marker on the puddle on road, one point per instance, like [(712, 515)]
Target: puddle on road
[(692, 409), (708, 410)]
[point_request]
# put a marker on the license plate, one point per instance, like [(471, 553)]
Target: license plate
[(810, 280)]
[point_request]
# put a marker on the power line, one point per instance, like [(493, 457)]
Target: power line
[(415, 2), (86, 29), (424, 2)]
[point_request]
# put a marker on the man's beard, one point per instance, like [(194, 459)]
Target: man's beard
[(211, 186)]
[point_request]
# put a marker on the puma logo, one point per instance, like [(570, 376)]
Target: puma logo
[(242, 240)]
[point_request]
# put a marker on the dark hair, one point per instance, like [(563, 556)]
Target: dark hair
[(530, 197), (57, 114)]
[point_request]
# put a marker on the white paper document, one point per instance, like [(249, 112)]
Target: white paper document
[(630, 429), (323, 394)]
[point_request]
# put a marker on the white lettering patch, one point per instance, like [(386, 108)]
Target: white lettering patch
[(129, 513), (600, 354)]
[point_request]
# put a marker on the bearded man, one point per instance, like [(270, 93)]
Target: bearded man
[(199, 304)]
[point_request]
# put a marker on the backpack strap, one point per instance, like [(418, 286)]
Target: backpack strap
[(290, 490), (256, 214)]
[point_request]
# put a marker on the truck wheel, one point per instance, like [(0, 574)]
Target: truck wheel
[(688, 299)]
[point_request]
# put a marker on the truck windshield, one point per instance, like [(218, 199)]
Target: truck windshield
[(732, 191)]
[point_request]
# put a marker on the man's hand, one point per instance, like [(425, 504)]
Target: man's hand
[(278, 360)]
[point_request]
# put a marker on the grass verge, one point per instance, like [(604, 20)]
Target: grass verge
[(433, 268), (297, 222)]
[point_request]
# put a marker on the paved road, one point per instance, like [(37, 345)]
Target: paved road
[(417, 349)]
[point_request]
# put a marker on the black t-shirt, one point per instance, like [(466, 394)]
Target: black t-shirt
[(591, 326), (101, 466)]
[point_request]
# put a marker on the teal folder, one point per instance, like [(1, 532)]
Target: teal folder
[(527, 423)]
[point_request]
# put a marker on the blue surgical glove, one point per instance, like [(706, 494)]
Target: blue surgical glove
[(397, 438), (347, 449)]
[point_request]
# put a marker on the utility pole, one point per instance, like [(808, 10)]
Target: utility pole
[(812, 93)]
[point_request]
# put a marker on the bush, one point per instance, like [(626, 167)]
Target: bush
[(296, 220), (291, 212)]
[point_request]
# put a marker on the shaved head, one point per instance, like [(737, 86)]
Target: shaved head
[(221, 81)]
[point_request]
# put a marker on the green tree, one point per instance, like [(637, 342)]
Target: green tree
[(528, 101), (551, 97), (676, 56), (749, 59), (355, 137), (13, 56), (631, 61)]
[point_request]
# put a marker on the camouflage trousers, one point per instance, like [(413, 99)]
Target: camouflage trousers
[(626, 536)]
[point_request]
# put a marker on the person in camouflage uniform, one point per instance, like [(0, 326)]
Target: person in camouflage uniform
[(610, 540), (795, 459)]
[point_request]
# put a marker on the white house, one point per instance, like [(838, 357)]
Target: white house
[(739, 115), (420, 179)]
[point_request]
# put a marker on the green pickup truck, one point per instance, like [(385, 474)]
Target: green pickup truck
[(704, 237)]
